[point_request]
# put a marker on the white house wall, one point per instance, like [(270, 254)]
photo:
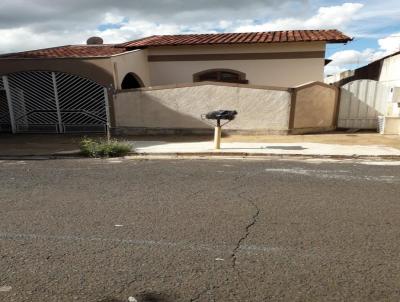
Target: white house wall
[(390, 73), (275, 72)]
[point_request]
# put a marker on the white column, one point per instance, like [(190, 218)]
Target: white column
[(10, 105), (60, 125), (107, 104)]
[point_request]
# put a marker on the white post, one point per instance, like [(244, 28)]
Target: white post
[(217, 137), (108, 126), (60, 126), (9, 102)]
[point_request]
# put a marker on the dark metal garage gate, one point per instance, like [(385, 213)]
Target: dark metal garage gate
[(52, 102)]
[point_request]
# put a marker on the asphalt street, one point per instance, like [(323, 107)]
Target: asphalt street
[(199, 230)]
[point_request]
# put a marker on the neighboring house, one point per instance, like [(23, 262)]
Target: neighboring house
[(385, 70), (368, 92), (281, 58)]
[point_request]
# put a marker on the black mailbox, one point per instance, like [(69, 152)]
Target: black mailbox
[(218, 115), (221, 115)]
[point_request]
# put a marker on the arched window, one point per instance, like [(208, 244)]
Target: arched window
[(221, 75), (131, 81)]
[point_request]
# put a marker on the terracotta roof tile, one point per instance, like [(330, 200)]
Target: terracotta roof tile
[(330, 36), (68, 51)]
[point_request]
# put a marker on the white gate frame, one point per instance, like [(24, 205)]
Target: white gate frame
[(107, 104), (9, 102), (53, 77)]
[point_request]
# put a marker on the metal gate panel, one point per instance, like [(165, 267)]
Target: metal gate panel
[(361, 102), (82, 104), (5, 121), (55, 102), (33, 102)]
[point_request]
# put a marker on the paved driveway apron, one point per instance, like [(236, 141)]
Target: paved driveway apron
[(198, 230)]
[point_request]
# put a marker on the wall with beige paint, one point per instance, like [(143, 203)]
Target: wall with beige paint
[(133, 61), (275, 72), (314, 107), (283, 73), (261, 110)]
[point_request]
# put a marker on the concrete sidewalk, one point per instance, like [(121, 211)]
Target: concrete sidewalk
[(339, 144), (247, 148)]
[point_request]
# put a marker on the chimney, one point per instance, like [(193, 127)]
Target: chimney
[(94, 41)]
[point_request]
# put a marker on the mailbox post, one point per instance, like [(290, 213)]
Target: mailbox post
[(228, 115), (217, 135)]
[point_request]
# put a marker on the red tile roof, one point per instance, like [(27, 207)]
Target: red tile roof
[(85, 51), (68, 51), (330, 36)]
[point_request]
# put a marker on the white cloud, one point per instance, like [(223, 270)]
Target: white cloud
[(333, 69), (350, 59), (25, 38), (391, 43), (137, 29), (347, 57), (110, 18), (334, 16), (326, 18), (26, 25)]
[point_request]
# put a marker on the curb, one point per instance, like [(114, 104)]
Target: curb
[(250, 154), (77, 155), (61, 155)]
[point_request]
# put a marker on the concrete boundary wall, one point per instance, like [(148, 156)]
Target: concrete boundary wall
[(178, 109), (314, 108)]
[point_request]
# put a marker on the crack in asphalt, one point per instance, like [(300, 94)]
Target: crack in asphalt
[(239, 244), (252, 222)]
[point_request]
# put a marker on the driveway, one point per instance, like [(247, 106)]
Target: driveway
[(199, 230)]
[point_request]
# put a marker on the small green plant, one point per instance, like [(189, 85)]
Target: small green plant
[(102, 148)]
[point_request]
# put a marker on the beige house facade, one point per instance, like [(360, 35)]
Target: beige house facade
[(283, 59)]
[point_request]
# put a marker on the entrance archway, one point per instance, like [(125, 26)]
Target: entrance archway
[(131, 81)]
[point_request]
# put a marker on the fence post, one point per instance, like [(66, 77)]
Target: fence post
[(10, 105), (108, 125), (292, 113), (60, 126)]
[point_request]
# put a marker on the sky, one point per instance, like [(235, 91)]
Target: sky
[(33, 24)]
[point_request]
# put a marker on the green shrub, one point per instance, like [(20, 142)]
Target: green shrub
[(102, 148)]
